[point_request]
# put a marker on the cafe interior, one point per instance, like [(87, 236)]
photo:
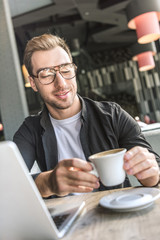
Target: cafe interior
[(116, 46), (117, 60)]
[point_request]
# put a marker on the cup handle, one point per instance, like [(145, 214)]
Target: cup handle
[(94, 171)]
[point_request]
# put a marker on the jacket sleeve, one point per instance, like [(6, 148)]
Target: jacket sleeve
[(129, 132), (24, 139)]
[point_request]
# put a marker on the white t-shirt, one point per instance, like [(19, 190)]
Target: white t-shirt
[(68, 137)]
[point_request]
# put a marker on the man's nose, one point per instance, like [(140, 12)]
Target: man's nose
[(59, 81)]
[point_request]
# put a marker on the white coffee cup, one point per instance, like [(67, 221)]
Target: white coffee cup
[(108, 165)]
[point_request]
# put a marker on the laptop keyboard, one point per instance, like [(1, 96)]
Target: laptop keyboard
[(60, 219), (64, 219)]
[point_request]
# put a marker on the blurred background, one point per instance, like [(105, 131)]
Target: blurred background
[(101, 45)]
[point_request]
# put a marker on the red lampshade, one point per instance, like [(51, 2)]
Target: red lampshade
[(143, 54), (145, 61), (144, 16), (147, 27)]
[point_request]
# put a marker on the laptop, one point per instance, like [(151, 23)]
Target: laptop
[(23, 212)]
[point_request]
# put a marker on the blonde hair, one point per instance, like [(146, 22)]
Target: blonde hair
[(42, 43)]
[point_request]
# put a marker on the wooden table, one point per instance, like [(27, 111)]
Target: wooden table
[(100, 223)]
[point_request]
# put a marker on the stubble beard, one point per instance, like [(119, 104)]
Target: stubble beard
[(62, 104)]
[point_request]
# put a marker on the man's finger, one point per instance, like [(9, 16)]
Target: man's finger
[(76, 163)]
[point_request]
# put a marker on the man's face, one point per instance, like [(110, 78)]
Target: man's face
[(61, 93)]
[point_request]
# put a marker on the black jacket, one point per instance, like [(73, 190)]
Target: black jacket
[(105, 125)]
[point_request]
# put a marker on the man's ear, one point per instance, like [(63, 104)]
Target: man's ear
[(33, 85)]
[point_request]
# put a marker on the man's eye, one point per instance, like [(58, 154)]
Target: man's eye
[(46, 74), (65, 71)]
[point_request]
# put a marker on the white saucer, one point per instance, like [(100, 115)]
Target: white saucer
[(130, 199)]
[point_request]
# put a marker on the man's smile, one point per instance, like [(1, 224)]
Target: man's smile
[(62, 95)]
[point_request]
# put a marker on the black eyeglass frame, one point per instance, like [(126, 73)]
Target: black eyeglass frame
[(53, 68)]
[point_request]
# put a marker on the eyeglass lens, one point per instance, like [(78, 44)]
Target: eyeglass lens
[(47, 75)]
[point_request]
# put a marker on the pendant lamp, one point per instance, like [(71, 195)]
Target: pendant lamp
[(26, 75), (144, 17), (145, 61), (1, 127), (143, 54)]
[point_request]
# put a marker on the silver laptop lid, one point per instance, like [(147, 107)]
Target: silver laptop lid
[(23, 213)]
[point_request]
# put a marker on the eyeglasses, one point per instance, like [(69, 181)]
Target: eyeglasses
[(48, 75)]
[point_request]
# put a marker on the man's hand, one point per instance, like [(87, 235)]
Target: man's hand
[(69, 176), (139, 162)]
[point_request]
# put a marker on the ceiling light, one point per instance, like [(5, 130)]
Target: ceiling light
[(144, 16), (26, 76), (145, 61), (1, 127), (143, 54)]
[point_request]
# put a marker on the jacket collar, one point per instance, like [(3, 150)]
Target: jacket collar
[(45, 120), (48, 139), (84, 108)]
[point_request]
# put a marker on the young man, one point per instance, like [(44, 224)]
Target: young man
[(71, 128)]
